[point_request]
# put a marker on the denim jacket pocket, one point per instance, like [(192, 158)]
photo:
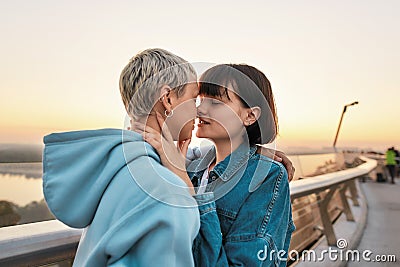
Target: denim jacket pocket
[(250, 249), (226, 218)]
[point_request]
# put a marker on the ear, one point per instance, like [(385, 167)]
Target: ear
[(253, 114), (165, 97)]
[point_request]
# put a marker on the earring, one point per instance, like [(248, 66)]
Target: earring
[(169, 115)]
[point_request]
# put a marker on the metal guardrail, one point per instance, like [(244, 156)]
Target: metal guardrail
[(321, 182), (36, 244), (325, 187), (50, 242)]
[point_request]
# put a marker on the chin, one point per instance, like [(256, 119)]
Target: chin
[(184, 136), (199, 134)]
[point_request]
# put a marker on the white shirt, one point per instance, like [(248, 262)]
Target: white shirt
[(203, 182)]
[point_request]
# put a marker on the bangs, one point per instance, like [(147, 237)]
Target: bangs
[(215, 90), (216, 82)]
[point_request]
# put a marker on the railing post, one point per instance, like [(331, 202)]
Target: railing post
[(353, 192), (326, 221), (345, 203)]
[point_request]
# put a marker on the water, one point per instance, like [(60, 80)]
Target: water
[(20, 190), (21, 196), (21, 183), (316, 164)]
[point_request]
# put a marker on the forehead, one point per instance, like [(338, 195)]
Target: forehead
[(192, 89)]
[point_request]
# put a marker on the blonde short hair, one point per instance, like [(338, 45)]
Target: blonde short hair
[(141, 80)]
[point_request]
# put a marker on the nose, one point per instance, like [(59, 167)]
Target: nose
[(201, 109)]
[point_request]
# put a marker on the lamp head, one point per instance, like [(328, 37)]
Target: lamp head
[(352, 104)]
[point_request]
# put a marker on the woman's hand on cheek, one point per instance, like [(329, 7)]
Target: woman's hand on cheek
[(170, 155)]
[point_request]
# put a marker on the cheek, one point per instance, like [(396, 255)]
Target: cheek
[(182, 121), (183, 116), (186, 109), (186, 131), (228, 121), (226, 115), (173, 128), (233, 128)]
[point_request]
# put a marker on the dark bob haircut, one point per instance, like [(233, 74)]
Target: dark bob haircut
[(253, 88)]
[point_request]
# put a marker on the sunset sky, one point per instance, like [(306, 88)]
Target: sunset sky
[(61, 60)]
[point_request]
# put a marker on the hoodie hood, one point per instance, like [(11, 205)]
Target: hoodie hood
[(78, 167)]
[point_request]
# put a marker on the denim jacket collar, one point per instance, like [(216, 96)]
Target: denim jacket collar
[(235, 161)]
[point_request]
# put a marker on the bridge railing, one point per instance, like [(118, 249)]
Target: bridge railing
[(51, 242), (318, 201), (37, 244)]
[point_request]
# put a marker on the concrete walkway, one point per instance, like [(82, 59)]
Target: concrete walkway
[(382, 232)]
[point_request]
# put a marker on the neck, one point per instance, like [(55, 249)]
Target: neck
[(225, 147), (150, 121)]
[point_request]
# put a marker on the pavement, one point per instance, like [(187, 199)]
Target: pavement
[(382, 232)]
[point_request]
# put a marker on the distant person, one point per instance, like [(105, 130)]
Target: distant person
[(111, 182), (391, 162), (397, 162)]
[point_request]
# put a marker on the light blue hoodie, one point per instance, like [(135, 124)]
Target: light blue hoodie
[(136, 212)]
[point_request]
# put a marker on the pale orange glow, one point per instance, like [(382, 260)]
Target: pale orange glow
[(10, 189), (60, 75)]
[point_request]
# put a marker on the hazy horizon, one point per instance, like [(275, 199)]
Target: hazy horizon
[(61, 62)]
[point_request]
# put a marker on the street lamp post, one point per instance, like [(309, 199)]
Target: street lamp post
[(340, 123)]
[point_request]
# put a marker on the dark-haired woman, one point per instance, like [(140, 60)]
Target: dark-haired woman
[(243, 197)]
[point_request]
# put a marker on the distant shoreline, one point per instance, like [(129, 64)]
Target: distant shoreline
[(28, 170), (18, 153), (32, 153)]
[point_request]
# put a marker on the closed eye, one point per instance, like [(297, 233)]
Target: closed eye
[(215, 102)]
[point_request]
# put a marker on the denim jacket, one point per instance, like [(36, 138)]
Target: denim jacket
[(245, 213)]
